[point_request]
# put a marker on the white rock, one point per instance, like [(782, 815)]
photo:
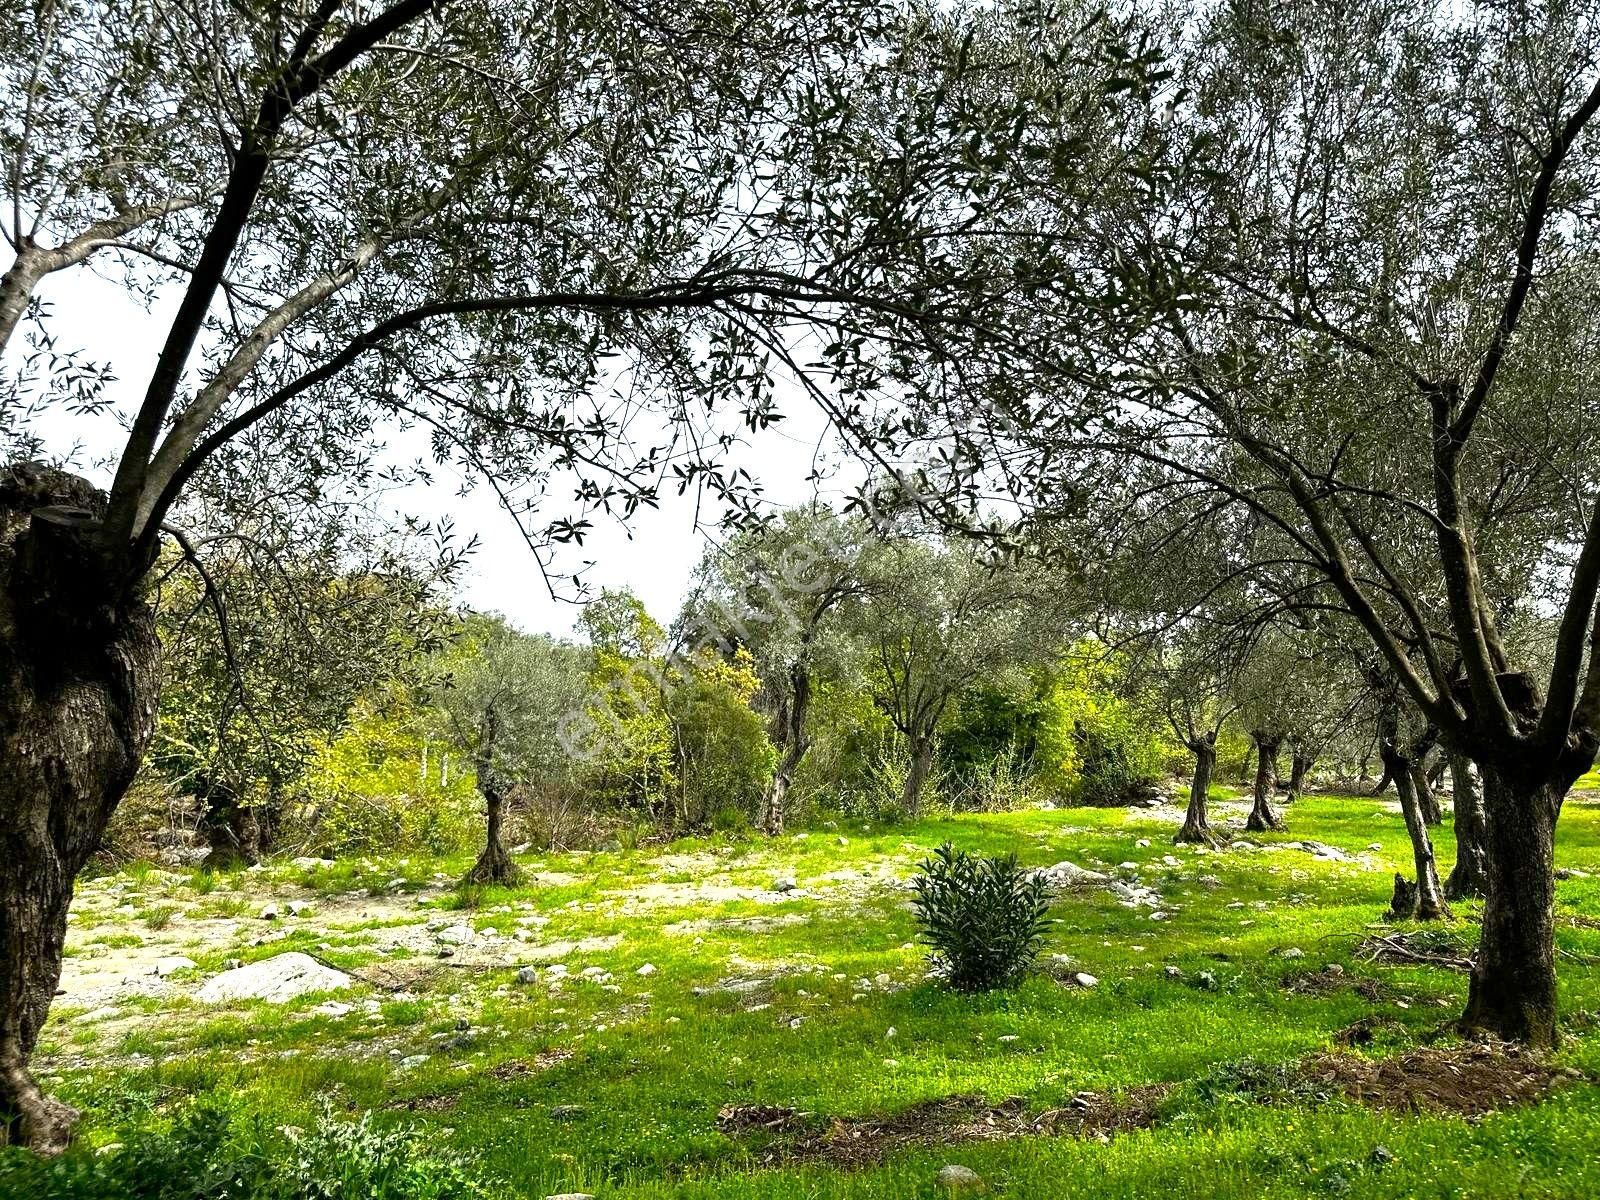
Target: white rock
[(1066, 875), (269, 912), (1294, 952), (784, 883), (528, 975), (1085, 980), (276, 979), (176, 962), (456, 935), (1143, 843), (306, 863), (647, 969), (416, 1060), (334, 1008), (298, 907), (959, 1179), (571, 1196)]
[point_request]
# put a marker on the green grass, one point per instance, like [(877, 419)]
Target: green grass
[(612, 1086)]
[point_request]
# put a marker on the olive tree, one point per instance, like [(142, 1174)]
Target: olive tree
[(565, 247), (777, 591), (507, 698), (1343, 292)]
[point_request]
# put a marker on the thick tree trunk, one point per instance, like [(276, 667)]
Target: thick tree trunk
[(1513, 991), (917, 776), (1430, 904), (1470, 875), (1427, 801), (494, 865), (1299, 768), (1262, 818), (1196, 823), (79, 676), (795, 746)]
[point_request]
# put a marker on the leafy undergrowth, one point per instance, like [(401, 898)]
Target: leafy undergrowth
[(1242, 1038)]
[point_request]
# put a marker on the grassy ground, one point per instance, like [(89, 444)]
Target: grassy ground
[(817, 1001)]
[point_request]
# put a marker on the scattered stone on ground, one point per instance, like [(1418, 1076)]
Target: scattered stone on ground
[(1065, 876)]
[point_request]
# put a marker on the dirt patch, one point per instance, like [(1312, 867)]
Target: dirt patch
[(863, 1141), (1471, 1080), (521, 1068), (517, 1068), (1366, 1030), (1329, 980)]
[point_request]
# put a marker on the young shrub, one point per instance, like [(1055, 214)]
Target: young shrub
[(984, 917)]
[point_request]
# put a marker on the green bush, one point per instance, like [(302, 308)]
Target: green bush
[(984, 917), (208, 1154)]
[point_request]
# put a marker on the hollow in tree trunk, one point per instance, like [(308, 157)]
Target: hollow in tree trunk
[(494, 865), (1513, 989), (1429, 895), (79, 680), (1196, 824), (1470, 875), (794, 749), (1262, 818), (917, 776)]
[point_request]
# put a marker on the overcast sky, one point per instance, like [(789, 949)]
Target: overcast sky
[(654, 557)]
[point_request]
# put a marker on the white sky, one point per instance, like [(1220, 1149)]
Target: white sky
[(654, 557)]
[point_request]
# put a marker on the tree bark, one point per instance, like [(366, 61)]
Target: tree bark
[(1427, 800), (79, 681), (1196, 823), (1299, 768), (16, 286), (1513, 990), (917, 776), (494, 865), (1262, 818), (795, 745), (1430, 903), (1470, 875)]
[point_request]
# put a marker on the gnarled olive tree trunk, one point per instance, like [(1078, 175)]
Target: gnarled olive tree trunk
[(1196, 823), (1299, 767), (1262, 818), (1429, 897), (494, 865), (917, 775), (1513, 990), (1470, 875), (79, 677), (795, 745), (1427, 800)]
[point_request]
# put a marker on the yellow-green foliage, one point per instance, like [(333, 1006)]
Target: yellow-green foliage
[(1085, 731), (848, 734), (383, 785), (723, 756), (629, 742)]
